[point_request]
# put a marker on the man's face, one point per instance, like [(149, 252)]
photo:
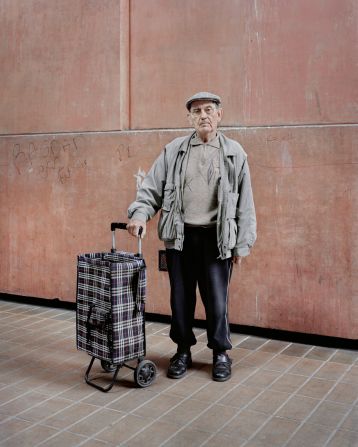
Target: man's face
[(205, 116)]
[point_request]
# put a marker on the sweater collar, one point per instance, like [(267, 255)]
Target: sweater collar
[(224, 142), (196, 141)]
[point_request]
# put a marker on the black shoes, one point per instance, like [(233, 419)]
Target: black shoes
[(179, 364), (182, 361), (221, 367)]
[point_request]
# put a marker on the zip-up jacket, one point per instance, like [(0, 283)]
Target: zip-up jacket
[(162, 189)]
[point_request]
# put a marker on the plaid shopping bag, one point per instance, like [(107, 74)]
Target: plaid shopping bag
[(111, 292)]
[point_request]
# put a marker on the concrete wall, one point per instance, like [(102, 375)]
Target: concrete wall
[(93, 89)]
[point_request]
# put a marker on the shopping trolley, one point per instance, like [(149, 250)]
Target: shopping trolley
[(110, 319)]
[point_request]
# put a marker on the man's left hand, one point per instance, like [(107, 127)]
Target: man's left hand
[(236, 259)]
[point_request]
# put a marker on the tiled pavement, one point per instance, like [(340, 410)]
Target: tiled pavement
[(281, 394)]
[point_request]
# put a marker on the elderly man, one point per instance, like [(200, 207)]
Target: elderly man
[(201, 183)]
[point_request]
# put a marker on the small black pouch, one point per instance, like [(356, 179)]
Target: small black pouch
[(98, 318)]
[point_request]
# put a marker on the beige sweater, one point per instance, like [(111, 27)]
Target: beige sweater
[(200, 188)]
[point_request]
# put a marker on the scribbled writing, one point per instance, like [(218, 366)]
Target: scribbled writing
[(126, 152), (44, 158)]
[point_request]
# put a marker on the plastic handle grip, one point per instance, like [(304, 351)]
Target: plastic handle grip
[(123, 226), (118, 226)]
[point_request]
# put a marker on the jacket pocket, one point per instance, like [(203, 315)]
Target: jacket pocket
[(232, 199), (232, 233), (166, 225), (231, 215)]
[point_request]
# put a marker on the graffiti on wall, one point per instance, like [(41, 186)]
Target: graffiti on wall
[(125, 152), (57, 157)]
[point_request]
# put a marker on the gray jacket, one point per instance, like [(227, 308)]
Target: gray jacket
[(162, 189)]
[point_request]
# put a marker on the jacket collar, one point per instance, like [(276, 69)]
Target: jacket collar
[(228, 149), (186, 142)]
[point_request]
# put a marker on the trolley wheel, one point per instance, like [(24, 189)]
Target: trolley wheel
[(108, 366), (145, 373)]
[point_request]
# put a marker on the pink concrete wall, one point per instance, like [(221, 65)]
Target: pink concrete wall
[(77, 73), (60, 68), (275, 62)]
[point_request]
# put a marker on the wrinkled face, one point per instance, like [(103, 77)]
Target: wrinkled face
[(205, 116)]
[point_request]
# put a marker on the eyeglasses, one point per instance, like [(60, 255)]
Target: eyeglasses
[(209, 110)]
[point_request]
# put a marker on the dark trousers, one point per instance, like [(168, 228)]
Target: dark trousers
[(198, 265)]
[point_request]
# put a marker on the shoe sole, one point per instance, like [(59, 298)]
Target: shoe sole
[(223, 379), (176, 377)]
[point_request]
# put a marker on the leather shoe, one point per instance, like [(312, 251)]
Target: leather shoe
[(221, 367), (179, 364)]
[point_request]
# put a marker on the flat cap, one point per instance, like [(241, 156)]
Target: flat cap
[(203, 96)]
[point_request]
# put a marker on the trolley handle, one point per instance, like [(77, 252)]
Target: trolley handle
[(118, 226), (123, 226)]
